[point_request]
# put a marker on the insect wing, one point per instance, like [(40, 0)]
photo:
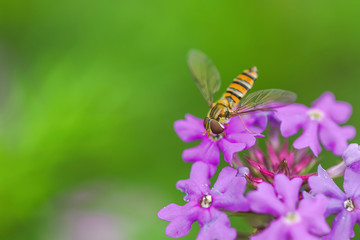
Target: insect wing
[(264, 100), (205, 73)]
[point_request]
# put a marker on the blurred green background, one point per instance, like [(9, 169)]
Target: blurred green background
[(90, 91)]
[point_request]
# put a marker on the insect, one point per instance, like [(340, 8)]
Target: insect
[(233, 102)]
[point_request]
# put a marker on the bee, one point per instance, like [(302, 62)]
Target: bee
[(233, 102)]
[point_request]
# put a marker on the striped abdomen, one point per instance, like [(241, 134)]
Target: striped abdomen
[(239, 87)]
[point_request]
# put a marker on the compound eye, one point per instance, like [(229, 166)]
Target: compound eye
[(216, 127), (206, 120)]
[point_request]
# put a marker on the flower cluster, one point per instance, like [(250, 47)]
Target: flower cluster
[(275, 189)]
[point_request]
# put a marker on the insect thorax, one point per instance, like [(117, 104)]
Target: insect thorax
[(219, 112)]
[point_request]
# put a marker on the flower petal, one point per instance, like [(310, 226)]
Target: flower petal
[(200, 175), (190, 129), (225, 177), (312, 212), (273, 157), (264, 200), (309, 138), (339, 111), (302, 163), (307, 195), (334, 206), (256, 153), (292, 118), (198, 184), (277, 230), (235, 126), (257, 121), (228, 191), (351, 156), (287, 190), (324, 102), (207, 152), (170, 212), (325, 185), (342, 227), (352, 183), (334, 137), (180, 217), (248, 139), (217, 228), (230, 148), (300, 232), (180, 227)]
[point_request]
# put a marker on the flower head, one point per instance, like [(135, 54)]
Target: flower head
[(344, 205), (235, 139), (291, 163), (293, 221), (318, 122), (204, 204)]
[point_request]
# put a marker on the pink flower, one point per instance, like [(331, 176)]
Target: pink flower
[(291, 163)]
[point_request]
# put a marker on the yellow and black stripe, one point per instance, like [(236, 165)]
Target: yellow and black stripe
[(241, 84)]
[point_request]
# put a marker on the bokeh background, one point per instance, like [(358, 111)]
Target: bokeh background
[(90, 91)]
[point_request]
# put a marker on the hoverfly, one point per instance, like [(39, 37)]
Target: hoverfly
[(233, 102)]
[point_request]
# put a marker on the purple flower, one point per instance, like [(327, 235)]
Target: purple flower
[(319, 121), (236, 139), (204, 203), (344, 205), (305, 221)]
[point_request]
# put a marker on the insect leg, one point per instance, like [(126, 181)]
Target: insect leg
[(245, 126)]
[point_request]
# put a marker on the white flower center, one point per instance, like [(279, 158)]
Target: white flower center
[(292, 217), (206, 201), (349, 205), (315, 114)]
